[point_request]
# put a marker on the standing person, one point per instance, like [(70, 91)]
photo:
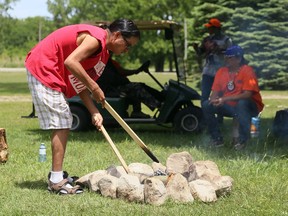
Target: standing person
[(56, 70), (236, 94), (212, 49), (115, 83)]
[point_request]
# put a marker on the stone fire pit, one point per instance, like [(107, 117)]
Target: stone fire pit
[(181, 180)]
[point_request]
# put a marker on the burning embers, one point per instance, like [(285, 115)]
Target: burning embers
[(181, 180)]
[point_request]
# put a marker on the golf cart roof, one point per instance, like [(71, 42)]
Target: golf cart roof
[(149, 25)]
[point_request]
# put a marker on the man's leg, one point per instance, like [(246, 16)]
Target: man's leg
[(210, 112), (137, 111), (159, 95), (54, 113), (206, 85), (129, 93), (58, 143), (138, 90), (245, 109)]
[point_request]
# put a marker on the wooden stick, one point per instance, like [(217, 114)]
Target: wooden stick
[(106, 135), (132, 134)]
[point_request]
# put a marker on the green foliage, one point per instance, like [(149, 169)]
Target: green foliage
[(60, 10), (263, 35), (29, 31), (5, 25), (21, 36), (259, 26)]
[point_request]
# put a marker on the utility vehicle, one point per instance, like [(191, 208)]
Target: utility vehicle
[(177, 111)]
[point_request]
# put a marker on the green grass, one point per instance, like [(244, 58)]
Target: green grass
[(260, 172), (13, 83)]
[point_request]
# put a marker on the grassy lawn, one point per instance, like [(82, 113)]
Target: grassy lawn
[(260, 172)]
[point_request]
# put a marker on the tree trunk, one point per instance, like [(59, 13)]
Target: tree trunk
[(159, 64)]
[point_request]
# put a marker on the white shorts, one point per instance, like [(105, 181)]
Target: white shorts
[(51, 106)]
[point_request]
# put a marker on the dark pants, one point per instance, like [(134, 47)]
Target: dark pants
[(243, 112), (139, 92), (206, 85)]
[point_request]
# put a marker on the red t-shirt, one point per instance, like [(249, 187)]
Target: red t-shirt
[(46, 60), (234, 84)]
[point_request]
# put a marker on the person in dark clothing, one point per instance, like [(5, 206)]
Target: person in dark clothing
[(212, 48), (114, 83)]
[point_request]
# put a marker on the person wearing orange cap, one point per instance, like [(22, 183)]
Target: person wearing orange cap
[(213, 22), (212, 48)]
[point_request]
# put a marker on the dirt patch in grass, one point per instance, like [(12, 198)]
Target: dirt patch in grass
[(275, 97), (17, 98)]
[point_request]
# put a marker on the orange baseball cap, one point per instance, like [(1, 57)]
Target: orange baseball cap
[(213, 22)]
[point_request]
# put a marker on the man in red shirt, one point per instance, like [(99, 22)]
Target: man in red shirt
[(236, 94), (67, 63)]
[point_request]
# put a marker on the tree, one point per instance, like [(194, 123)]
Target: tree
[(260, 27), (152, 43), (5, 6), (18, 36), (262, 32), (61, 11)]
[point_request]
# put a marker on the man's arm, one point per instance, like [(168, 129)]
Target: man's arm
[(97, 118), (214, 98), (243, 95), (88, 45), (221, 100)]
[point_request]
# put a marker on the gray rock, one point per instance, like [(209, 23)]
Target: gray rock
[(203, 190), (94, 179), (181, 163), (223, 185), (130, 189), (141, 168), (154, 191), (84, 180), (178, 189), (206, 170), (116, 171), (108, 186)]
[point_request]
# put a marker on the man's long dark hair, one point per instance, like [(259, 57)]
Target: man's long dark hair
[(126, 27)]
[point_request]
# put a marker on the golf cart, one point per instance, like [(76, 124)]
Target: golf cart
[(177, 110)]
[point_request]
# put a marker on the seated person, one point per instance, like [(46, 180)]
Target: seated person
[(236, 94), (114, 83)]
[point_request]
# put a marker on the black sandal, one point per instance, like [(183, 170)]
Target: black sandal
[(62, 188)]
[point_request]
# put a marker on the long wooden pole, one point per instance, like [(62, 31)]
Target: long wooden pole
[(106, 135), (126, 127)]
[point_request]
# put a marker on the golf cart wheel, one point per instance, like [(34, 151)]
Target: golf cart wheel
[(188, 119), (80, 119)]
